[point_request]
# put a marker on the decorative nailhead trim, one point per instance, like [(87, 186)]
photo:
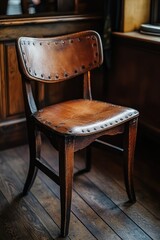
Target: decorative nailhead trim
[(93, 40), (105, 125)]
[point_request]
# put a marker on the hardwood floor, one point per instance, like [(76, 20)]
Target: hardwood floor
[(99, 206)]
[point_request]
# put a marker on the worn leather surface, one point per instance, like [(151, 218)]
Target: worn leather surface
[(60, 58), (83, 117)]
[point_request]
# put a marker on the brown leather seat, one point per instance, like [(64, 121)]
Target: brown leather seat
[(70, 125)]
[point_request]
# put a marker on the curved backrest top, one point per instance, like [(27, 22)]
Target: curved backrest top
[(59, 58)]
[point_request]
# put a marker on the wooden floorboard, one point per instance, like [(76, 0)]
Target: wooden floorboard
[(99, 207)]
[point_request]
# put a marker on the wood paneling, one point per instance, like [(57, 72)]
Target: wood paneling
[(14, 85), (2, 83), (134, 78)]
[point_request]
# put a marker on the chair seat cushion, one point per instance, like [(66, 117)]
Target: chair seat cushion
[(83, 117)]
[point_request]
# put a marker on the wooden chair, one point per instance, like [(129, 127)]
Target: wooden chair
[(75, 124)]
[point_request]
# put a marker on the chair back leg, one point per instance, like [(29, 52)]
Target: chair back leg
[(34, 139)]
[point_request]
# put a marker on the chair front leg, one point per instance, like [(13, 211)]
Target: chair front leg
[(129, 149), (66, 165), (34, 149)]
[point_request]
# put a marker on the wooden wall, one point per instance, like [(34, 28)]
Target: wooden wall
[(134, 78)]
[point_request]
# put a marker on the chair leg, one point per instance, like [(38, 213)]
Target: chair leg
[(129, 149), (88, 159), (66, 165), (34, 148), (87, 163)]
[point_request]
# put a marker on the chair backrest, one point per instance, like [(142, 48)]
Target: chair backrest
[(59, 58)]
